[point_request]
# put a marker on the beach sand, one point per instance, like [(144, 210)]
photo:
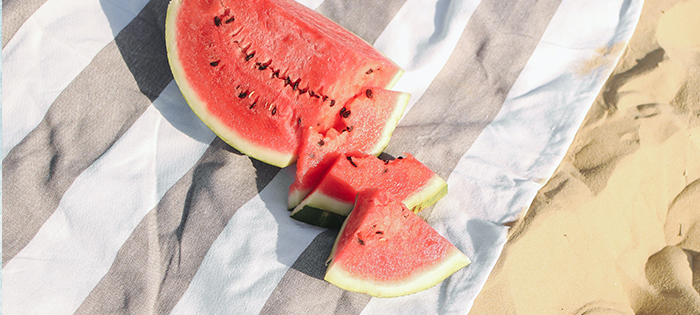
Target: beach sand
[(616, 230)]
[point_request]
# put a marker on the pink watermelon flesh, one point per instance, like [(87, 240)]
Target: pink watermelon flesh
[(260, 72), (385, 250), (366, 123), (406, 178)]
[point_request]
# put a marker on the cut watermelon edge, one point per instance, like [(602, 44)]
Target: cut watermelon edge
[(294, 198), (432, 191), (419, 281), (391, 124)]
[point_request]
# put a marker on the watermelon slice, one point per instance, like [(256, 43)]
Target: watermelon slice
[(366, 124), (260, 72), (407, 179), (385, 250)]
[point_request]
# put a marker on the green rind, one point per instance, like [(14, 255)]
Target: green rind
[(418, 281), (318, 217)]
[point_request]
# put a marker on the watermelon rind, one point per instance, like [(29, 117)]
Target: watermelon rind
[(320, 218), (435, 189), (229, 136), (318, 205), (419, 281)]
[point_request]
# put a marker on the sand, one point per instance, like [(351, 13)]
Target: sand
[(616, 230)]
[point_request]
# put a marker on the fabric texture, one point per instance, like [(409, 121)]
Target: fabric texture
[(117, 199)]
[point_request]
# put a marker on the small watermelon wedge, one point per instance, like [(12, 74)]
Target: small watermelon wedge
[(406, 178), (385, 250), (260, 72), (366, 124)]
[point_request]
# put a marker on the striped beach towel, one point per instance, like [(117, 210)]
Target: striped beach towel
[(116, 199)]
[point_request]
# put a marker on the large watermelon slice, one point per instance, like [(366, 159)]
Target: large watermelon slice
[(406, 178), (366, 124), (385, 250), (259, 72)]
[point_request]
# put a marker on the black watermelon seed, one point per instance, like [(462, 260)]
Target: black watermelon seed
[(302, 91), (229, 20), (399, 158), (312, 94), (274, 110), (276, 74), (261, 66), (386, 161), (214, 63), (248, 57), (386, 170), (325, 97), (361, 241), (348, 128), (243, 94), (368, 93), (345, 114), (252, 105), (296, 85), (369, 71), (321, 142), (332, 103), (287, 81), (351, 161), (298, 121), (217, 21), (379, 232)]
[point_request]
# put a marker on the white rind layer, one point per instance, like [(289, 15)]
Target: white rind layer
[(418, 281)]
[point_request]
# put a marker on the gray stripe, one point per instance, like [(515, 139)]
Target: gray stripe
[(84, 121), (14, 14), (155, 265), (365, 18), (464, 98), (302, 281)]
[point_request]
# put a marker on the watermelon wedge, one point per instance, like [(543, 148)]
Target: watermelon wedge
[(406, 178), (385, 250), (260, 72), (366, 124)]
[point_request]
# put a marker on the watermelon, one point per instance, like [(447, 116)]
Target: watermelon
[(366, 124), (260, 72), (406, 178), (385, 250)]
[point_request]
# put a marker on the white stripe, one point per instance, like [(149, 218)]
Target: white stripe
[(246, 259), (414, 41), (512, 158), (48, 51), (76, 246)]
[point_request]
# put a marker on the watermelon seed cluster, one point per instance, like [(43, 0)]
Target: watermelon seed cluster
[(274, 73)]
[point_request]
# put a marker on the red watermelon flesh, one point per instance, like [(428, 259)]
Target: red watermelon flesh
[(259, 72), (366, 123), (406, 178), (385, 250)]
